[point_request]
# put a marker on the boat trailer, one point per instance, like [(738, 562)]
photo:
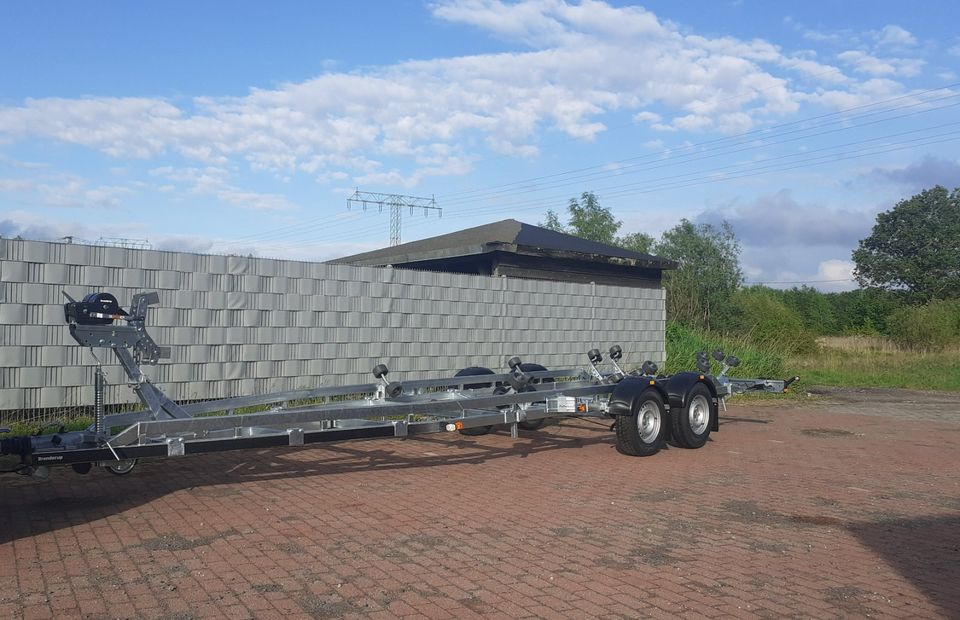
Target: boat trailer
[(647, 408)]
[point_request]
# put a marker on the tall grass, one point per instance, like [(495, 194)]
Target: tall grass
[(890, 368), (847, 362), (683, 343), (859, 343)]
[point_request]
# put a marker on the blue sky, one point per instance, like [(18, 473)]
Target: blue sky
[(242, 127)]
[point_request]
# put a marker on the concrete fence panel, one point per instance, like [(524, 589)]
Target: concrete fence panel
[(235, 322)]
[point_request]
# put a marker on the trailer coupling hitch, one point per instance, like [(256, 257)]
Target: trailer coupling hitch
[(21, 446)]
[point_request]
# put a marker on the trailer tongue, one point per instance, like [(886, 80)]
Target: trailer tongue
[(647, 409)]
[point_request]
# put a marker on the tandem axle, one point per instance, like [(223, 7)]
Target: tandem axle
[(647, 409)]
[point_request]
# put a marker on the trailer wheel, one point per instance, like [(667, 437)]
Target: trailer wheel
[(691, 424), (121, 468), (532, 425), (82, 468), (470, 372), (641, 433)]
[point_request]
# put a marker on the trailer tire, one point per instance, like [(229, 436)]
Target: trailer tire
[(532, 425), (121, 468), (691, 424), (641, 433), (470, 372)]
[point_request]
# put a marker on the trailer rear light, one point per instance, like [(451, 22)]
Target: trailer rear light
[(652, 382), (701, 377), (582, 407)]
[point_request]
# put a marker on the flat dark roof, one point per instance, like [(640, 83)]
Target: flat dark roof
[(506, 236)]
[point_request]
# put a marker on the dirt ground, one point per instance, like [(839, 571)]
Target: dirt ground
[(844, 506)]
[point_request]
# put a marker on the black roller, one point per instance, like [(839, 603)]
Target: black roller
[(513, 362), (394, 389), (380, 371), (594, 355), (616, 352), (718, 355), (517, 383)]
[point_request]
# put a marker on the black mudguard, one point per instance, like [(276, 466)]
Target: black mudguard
[(678, 389), (629, 390)]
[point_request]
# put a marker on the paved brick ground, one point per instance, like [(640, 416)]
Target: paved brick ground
[(789, 511)]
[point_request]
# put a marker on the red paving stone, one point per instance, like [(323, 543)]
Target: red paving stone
[(803, 511)]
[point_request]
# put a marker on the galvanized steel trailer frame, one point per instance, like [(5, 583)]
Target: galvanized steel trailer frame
[(654, 408)]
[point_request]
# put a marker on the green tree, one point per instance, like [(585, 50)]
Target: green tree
[(553, 222), (813, 307), (637, 242), (587, 220), (709, 257), (865, 310), (708, 275), (915, 246)]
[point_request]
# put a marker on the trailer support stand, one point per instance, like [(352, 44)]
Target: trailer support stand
[(98, 387)]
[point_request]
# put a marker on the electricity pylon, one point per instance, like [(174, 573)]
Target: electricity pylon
[(396, 202)]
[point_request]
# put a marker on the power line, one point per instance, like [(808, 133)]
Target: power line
[(452, 198), (721, 146), (702, 157), (801, 281), (685, 180)]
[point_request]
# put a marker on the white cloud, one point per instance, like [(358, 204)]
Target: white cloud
[(576, 63), (32, 225), (16, 185), (894, 36), (831, 275), (646, 117), (816, 70), (863, 93), (835, 269), (865, 63), (183, 243), (213, 181), (62, 191)]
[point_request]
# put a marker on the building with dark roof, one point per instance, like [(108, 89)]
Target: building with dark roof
[(517, 250)]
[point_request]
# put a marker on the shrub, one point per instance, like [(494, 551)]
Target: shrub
[(758, 314), (930, 327)]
